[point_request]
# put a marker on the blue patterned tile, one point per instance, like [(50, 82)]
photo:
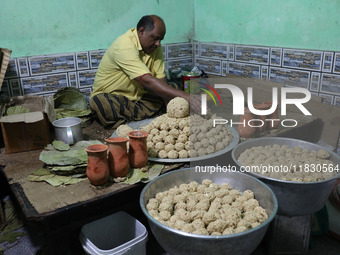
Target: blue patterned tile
[(224, 68), (23, 67), (337, 102), (327, 62), (15, 86), (196, 49), (326, 99), (209, 66), (336, 68), (86, 78), (264, 72), (330, 83), (231, 52), (243, 69), (5, 88), (96, 57), (12, 69), (315, 82), (291, 77), (180, 63), (72, 79), (250, 54), (302, 59), (50, 64), (44, 84), (214, 50), (82, 60), (179, 50), (275, 56), (164, 51)]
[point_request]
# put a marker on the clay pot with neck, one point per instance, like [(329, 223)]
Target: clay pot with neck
[(118, 157), (245, 130), (138, 152), (97, 170)]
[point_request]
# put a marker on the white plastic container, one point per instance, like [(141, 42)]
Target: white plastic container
[(119, 233)]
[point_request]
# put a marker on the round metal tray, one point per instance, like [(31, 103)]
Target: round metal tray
[(232, 144), (295, 198)]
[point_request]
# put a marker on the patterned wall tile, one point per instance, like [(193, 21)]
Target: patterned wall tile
[(264, 72), (327, 62), (180, 63), (23, 67), (15, 86), (164, 51), (12, 69), (337, 101), (52, 64), (72, 79), (214, 50), (275, 56), (224, 68), (82, 60), (330, 83), (289, 76), (244, 69), (326, 99), (179, 50), (96, 57), (5, 88), (86, 78), (231, 53), (44, 84), (302, 59), (196, 49), (336, 67), (209, 65), (315, 82), (257, 55)]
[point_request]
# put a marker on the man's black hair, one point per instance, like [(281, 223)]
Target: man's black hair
[(147, 22)]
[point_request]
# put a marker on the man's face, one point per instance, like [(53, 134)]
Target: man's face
[(152, 39)]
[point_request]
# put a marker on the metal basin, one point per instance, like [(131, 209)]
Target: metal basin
[(294, 198), (178, 242)]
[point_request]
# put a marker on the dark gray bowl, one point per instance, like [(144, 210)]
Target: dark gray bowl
[(178, 242), (294, 198)]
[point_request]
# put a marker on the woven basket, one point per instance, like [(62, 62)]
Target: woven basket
[(5, 56)]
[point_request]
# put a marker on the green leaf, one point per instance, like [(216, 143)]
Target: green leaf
[(136, 176), (60, 145)]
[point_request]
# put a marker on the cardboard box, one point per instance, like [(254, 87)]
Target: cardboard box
[(27, 131)]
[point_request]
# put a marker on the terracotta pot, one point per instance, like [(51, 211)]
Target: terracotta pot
[(138, 152), (118, 157), (273, 116), (246, 131), (97, 170)]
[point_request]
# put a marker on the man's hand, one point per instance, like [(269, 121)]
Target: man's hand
[(160, 88)]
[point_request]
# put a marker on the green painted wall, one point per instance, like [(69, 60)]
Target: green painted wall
[(38, 27), (307, 24)]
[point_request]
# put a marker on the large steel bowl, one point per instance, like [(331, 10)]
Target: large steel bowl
[(178, 242), (294, 198)]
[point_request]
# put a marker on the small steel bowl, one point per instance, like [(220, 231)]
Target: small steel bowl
[(178, 242), (294, 198)]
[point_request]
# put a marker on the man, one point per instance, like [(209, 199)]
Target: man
[(130, 83)]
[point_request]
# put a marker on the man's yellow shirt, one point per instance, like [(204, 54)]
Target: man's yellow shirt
[(122, 63)]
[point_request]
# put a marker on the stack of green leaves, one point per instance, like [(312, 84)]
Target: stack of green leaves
[(64, 164)]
